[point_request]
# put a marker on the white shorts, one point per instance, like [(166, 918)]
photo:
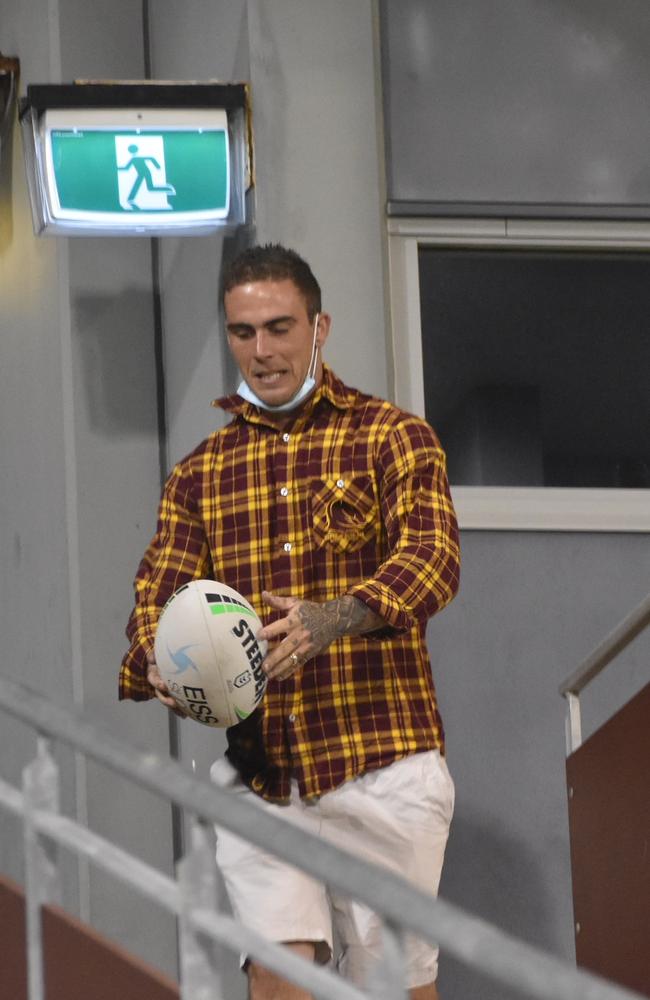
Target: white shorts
[(397, 816)]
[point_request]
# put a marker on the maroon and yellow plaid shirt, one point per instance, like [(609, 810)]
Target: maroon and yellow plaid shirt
[(350, 498)]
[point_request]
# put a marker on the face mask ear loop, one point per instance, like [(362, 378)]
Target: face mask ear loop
[(311, 371)]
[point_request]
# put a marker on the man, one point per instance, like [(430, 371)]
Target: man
[(332, 509)]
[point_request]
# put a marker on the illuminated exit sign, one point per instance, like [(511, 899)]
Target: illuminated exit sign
[(172, 171), (137, 159)]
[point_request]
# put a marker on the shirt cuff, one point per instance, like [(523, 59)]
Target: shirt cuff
[(133, 675), (380, 599)]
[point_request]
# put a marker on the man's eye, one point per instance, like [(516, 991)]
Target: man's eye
[(279, 329)]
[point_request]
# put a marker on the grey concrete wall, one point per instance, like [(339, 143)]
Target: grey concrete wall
[(531, 607), (79, 444), (201, 41), (319, 183), (79, 472), (34, 589), (319, 176), (518, 101)]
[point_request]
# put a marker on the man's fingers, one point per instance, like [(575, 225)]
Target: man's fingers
[(283, 670), (160, 688), (296, 645), (156, 681), (170, 703), (166, 699), (283, 625), (286, 658), (275, 629), (277, 602)]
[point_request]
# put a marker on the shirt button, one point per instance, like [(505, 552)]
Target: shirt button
[(287, 546), (340, 483), (284, 492), (285, 437), (292, 718)]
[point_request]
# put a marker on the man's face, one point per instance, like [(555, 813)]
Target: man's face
[(271, 337)]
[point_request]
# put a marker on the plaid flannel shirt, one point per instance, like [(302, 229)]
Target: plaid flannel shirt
[(350, 498)]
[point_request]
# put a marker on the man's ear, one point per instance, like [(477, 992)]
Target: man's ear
[(323, 328)]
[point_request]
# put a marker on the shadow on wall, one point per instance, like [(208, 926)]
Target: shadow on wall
[(114, 340), (6, 174), (114, 336), (511, 884)]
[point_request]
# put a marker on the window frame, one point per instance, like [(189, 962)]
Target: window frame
[(505, 508)]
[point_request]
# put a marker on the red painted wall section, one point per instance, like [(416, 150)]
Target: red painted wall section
[(609, 820), (79, 962)]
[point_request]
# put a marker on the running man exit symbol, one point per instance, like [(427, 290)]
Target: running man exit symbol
[(141, 174)]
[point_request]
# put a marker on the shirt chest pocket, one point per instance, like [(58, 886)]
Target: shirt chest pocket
[(345, 513)]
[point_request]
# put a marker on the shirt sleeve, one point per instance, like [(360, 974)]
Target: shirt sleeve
[(177, 553), (422, 571)]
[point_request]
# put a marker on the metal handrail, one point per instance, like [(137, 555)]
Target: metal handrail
[(166, 892), (606, 651), (469, 939)]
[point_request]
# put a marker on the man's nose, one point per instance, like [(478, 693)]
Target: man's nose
[(262, 343)]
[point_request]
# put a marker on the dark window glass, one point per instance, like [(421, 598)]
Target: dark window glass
[(537, 365)]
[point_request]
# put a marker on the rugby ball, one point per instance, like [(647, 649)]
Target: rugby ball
[(206, 651)]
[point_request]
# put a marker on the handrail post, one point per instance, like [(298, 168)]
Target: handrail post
[(389, 973), (197, 880), (42, 876), (573, 722), (617, 640)]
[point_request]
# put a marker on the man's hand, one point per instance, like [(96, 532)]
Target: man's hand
[(309, 628), (160, 687)]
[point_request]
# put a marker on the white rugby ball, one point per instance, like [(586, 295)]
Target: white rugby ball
[(206, 651)]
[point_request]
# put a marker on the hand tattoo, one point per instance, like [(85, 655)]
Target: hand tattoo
[(346, 615), (309, 628)]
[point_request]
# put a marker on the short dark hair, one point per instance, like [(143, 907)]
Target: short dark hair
[(273, 262)]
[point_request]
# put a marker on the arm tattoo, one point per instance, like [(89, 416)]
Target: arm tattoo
[(344, 616)]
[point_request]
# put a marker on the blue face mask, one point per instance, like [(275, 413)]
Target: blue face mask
[(308, 386)]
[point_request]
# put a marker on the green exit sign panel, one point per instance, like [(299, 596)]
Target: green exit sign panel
[(130, 173)]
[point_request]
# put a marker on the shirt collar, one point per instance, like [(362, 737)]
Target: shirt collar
[(331, 388)]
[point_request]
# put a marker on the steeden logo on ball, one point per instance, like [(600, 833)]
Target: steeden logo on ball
[(212, 665)]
